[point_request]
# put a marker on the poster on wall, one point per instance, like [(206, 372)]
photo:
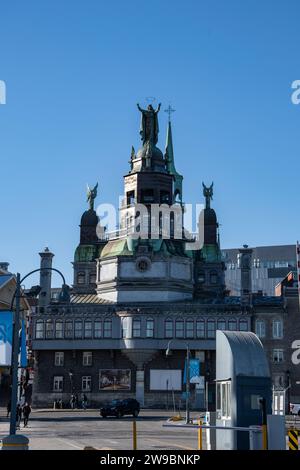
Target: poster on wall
[(114, 379), (5, 338), (165, 379)]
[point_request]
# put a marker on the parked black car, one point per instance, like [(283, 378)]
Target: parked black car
[(121, 408)]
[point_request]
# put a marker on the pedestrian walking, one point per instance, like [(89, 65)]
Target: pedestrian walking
[(84, 401), (76, 401), (8, 408), (26, 413), (72, 401)]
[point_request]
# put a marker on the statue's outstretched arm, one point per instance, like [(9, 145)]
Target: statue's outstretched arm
[(139, 108), (158, 108)]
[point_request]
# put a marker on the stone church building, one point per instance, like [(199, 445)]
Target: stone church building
[(148, 285)]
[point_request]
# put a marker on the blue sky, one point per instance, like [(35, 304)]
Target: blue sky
[(74, 71)]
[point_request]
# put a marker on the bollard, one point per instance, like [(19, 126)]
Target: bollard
[(293, 439), (199, 435), (134, 435), (15, 442)]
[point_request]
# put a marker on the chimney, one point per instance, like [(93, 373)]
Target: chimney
[(4, 266), (245, 255), (45, 278)]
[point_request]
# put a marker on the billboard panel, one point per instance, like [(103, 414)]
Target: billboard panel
[(6, 327), (114, 379), (165, 379)]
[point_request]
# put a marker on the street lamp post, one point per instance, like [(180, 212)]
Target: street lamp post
[(16, 341), (187, 407)]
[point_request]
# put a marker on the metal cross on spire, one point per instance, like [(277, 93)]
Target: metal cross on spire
[(169, 110)]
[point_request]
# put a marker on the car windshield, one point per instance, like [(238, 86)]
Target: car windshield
[(115, 402)]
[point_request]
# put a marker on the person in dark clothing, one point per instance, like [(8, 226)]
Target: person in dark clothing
[(8, 408), (19, 416), (26, 413)]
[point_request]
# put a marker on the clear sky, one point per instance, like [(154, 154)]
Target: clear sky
[(74, 71)]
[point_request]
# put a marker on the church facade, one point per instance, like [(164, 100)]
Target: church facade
[(136, 291)]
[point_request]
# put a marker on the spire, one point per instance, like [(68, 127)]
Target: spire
[(170, 164)]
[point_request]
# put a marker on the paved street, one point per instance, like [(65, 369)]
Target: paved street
[(68, 430)]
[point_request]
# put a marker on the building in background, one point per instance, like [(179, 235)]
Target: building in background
[(131, 296), (270, 264)]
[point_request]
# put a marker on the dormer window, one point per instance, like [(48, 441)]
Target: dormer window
[(81, 278)]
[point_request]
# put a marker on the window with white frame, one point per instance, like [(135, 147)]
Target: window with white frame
[(78, 329), (88, 331), (243, 325), (59, 333), (150, 328), (260, 328), (87, 358), (169, 329), (200, 329), (189, 328), (86, 383), (69, 329), (223, 400), (107, 333), (221, 325), (49, 329), (136, 328), (278, 355), (39, 329), (58, 381), (179, 329), (232, 325), (277, 329), (59, 358), (211, 329), (97, 329)]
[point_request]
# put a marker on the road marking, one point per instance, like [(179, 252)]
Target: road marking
[(69, 443), (170, 444)]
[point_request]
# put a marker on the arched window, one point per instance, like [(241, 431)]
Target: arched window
[(39, 329), (211, 329), (97, 329), (78, 329), (243, 325), (69, 329), (260, 328), (107, 329), (169, 328), (92, 278), (88, 330), (200, 329), (150, 328), (58, 329), (81, 278), (49, 329)]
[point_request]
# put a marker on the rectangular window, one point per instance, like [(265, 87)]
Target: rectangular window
[(200, 329), (232, 325), (223, 400), (211, 329), (189, 328), (150, 328), (243, 325), (260, 328), (59, 359), (86, 383), (169, 329), (58, 381), (78, 329), (221, 325), (97, 329), (59, 330), (49, 329), (179, 329), (136, 328), (277, 329), (39, 330), (107, 329), (278, 355), (87, 357), (69, 329), (88, 332)]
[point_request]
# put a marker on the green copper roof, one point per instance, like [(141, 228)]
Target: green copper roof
[(87, 253), (211, 253), (116, 248)]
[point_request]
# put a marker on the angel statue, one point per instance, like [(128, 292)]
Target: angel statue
[(91, 196), (149, 124), (208, 192)]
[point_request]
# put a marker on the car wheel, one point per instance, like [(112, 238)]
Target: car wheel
[(135, 413), (299, 413), (119, 415), (103, 415)]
